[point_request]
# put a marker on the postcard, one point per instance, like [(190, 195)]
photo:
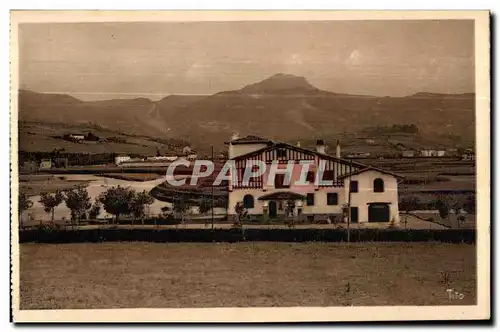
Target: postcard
[(250, 166)]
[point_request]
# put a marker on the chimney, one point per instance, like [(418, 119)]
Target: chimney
[(320, 146), (337, 153), (298, 144), (234, 136)]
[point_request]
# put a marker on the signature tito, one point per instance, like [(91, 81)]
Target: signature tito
[(454, 295)]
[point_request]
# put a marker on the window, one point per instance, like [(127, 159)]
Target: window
[(281, 153), (310, 199), (279, 181), (248, 202), (332, 199), (354, 186), (378, 185), (310, 177), (328, 175)]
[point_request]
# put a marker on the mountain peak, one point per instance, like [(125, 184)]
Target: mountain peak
[(281, 83)]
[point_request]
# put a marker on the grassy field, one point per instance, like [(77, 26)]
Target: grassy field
[(132, 176), (32, 185), (147, 275)]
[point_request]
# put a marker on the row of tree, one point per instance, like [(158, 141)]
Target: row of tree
[(117, 201), (444, 204)]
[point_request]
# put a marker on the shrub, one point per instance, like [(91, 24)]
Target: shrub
[(251, 234), (409, 203)]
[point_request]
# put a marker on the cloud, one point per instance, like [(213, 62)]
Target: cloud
[(197, 71), (294, 59), (354, 58)]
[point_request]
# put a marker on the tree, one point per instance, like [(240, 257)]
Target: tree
[(408, 204), (50, 202), (181, 205), (442, 207), (241, 213), (445, 204), (289, 212), (117, 201), (95, 210), (470, 204), (205, 205), (24, 204), (78, 201), (165, 211), (139, 203)]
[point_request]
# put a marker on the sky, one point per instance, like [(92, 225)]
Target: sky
[(382, 58)]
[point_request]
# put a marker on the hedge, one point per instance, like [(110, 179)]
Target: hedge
[(47, 235)]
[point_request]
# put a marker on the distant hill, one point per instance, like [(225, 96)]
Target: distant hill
[(441, 95), (283, 106)]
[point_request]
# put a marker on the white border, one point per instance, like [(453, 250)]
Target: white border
[(479, 311)]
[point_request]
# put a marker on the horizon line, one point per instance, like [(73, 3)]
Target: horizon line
[(163, 95)]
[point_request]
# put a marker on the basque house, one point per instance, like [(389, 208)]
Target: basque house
[(371, 193)]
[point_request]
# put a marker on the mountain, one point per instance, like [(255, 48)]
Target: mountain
[(281, 84), (283, 107), (287, 107)]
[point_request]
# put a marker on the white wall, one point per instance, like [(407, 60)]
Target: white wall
[(320, 200), (366, 194), (120, 159), (236, 150)]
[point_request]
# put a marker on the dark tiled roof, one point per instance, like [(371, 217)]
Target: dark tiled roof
[(281, 195), (276, 145), (371, 168), (250, 139)]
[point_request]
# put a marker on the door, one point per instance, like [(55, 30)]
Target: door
[(379, 212), (272, 209), (354, 214)]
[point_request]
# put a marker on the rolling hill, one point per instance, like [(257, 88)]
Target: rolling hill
[(283, 107)]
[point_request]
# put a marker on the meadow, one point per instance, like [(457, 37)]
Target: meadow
[(258, 274)]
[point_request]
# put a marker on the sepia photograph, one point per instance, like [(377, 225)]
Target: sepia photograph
[(250, 166)]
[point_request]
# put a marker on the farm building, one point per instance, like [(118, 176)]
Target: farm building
[(371, 192), (469, 155), (46, 164), (162, 158), (29, 166), (432, 153), (121, 158), (408, 153), (192, 156), (75, 137)]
